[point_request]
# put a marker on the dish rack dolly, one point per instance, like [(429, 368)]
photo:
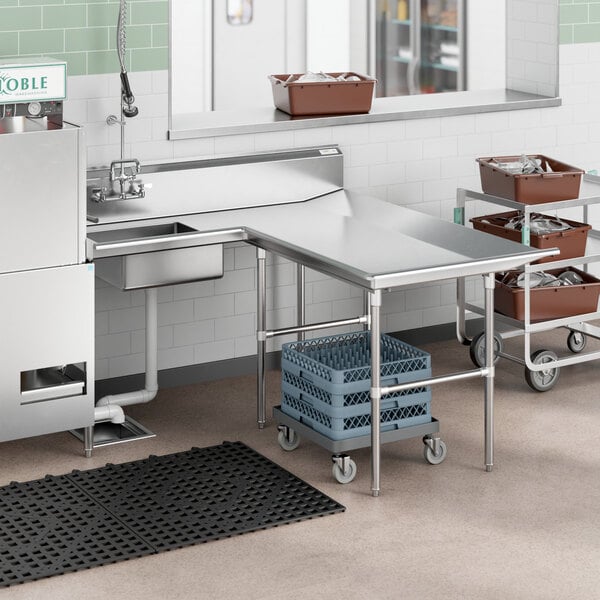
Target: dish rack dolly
[(344, 468), (542, 367), (326, 397)]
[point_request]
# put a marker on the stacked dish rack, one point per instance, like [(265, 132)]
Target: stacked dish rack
[(542, 367), (326, 396)]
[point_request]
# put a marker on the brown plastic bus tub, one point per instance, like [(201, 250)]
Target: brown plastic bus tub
[(571, 242), (548, 302), (561, 183), (322, 97)]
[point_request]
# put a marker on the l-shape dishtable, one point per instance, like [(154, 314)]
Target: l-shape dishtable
[(375, 245)]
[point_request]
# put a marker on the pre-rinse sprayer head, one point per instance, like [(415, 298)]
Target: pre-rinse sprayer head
[(129, 110)]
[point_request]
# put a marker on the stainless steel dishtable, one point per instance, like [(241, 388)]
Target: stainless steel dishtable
[(379, 246), (315, 223)]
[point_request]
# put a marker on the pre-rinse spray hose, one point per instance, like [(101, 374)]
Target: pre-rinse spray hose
[(122, 34), (129, 110)]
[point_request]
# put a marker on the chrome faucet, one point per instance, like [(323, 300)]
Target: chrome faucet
[(125, 174), (124, 183)]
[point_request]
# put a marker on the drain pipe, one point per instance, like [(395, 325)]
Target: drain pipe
[(110, 407)]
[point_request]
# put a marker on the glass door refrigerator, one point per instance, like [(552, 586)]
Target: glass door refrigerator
[(420, 46)]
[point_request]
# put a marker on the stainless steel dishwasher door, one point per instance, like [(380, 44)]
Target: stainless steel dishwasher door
[(41, 213), (47, 349)]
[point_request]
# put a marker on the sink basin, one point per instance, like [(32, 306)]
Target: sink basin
[(155, 255), (142, 232)]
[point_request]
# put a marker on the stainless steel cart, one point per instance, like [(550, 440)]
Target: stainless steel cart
[(542, 367)]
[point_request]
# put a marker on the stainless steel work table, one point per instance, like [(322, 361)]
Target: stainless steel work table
[(377, 246)]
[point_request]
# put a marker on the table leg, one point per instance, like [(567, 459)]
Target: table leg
[(367, 310), (300, 299), (88, 441), (489, 283), (375, 298), (461, 326), (261, 337)]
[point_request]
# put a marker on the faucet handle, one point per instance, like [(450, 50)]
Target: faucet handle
[(98, 194), (137, 187)]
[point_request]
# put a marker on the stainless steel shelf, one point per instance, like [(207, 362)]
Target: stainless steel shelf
[(436, 27)]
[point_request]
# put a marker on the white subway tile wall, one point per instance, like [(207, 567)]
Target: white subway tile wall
[(417, 163), (531, 38)]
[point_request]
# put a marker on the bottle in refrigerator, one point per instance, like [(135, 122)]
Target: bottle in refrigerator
[(402, 10)]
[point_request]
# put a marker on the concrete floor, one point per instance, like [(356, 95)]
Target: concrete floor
[(529, 529)]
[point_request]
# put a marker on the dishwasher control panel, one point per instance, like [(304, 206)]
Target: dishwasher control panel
[(50, 112), (53, 108)]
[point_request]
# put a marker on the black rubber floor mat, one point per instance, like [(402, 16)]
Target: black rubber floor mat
[(50, 526), (88, 518), (203, 494)]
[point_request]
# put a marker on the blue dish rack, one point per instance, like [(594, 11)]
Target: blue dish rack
[(326, 383), (342, 363), (326, 393)]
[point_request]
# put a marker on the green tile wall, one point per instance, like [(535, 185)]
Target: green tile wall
[(579, 21), (83, 32)]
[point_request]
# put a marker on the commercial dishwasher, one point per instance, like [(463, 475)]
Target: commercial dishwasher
[(46, 288)]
